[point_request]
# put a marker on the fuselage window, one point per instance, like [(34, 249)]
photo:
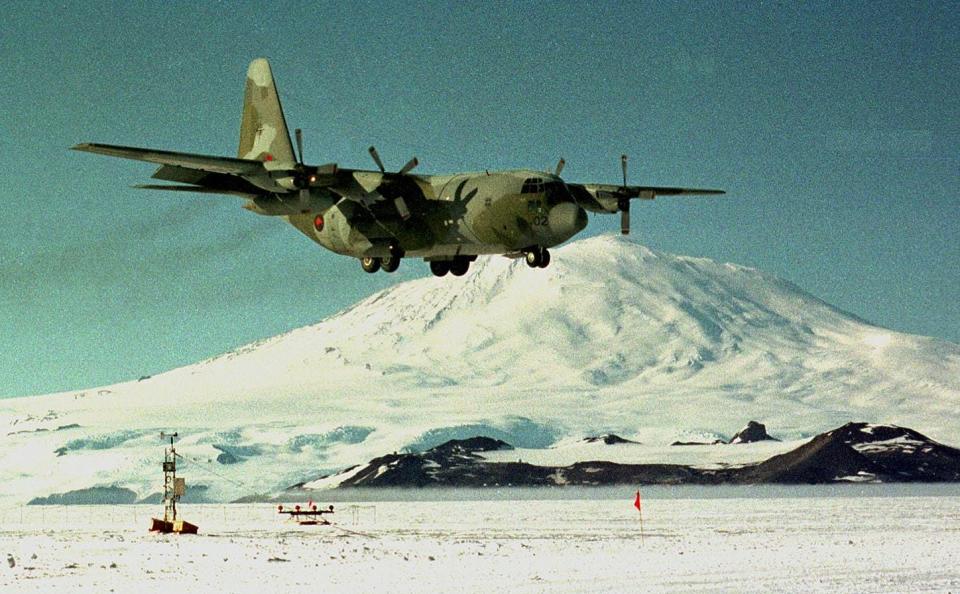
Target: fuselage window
[(532, 185)]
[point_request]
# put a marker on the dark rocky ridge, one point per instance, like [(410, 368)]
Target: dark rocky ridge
[(609, 439), (855, 452), (754, 431)]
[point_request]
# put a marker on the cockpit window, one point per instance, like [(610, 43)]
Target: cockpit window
[(532, 185), (555, 192)]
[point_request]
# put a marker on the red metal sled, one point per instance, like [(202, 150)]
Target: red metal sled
[(176, 527)]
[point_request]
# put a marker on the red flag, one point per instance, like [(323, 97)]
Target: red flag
[(636, 502)]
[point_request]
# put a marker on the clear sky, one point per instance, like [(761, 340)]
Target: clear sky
[(834, 128)]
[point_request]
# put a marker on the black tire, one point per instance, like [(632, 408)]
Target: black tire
[(533, 258), (370, 264), (390, 264), (544, 258), (440, 267), (459, 266)]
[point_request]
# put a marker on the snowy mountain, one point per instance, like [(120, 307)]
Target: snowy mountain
[(611, 338)]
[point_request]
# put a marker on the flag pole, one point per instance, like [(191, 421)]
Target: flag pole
[(636, 504)]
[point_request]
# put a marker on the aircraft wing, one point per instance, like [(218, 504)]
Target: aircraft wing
[(228, 165), (606, 197), (216, 175)]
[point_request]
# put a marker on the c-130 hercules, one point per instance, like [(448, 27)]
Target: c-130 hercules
[(380, 216)]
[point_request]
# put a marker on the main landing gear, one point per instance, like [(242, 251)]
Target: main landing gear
[(388, 264), (458, 266), (538, 257)]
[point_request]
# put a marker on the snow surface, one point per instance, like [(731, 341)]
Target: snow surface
[(611, 338), (793, 541)]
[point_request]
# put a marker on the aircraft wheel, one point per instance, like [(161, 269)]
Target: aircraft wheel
[(459, 266), (370, 264), (544, 258), (440, 267), (533, 258), (390, 264)]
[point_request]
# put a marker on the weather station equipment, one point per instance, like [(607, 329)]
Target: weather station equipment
[(173, 489), (311, 516)]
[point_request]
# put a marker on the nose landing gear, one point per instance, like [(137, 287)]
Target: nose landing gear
[(537, 257)]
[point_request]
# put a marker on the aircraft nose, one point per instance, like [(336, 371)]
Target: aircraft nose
[(566, 219)]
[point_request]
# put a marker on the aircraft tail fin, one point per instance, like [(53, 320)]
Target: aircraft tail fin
[(263, 130)]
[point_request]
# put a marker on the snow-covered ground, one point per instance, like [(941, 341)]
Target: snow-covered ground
[(876, 538)]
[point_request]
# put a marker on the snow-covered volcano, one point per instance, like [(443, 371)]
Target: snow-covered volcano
[(612, 337)]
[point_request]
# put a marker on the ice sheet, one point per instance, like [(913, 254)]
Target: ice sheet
[(905, 542)]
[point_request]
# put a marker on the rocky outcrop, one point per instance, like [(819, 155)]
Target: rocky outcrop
[(858, 452), (855, 452), (608, 439), (754, 431)]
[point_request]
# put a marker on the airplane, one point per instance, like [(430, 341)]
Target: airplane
[(381, 216)]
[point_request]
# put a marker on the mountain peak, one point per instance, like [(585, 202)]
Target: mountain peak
[(612, 317), (612, 337)]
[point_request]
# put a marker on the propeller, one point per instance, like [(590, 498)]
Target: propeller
[(623, 203), (560, 165), (301, 178), (299, 134), (403, 170), (410, 165), (376, 158), (399, 202)]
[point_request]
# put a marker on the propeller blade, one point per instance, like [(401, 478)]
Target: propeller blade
[(376, 158), (623, 165), (410, 165), (560, 165), (304, 199), (299, 134), (625, 217), (402, 209)]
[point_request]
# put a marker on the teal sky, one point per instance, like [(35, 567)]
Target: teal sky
[(834, 128)]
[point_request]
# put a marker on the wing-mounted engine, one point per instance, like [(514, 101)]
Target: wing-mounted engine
[(610, 198), (391, 195)]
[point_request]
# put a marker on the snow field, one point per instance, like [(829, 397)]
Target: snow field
[(902, 542)]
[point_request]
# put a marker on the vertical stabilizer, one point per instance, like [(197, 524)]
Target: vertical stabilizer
[(263, 130)]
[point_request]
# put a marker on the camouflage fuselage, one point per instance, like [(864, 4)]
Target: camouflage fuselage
[(455, 215)]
